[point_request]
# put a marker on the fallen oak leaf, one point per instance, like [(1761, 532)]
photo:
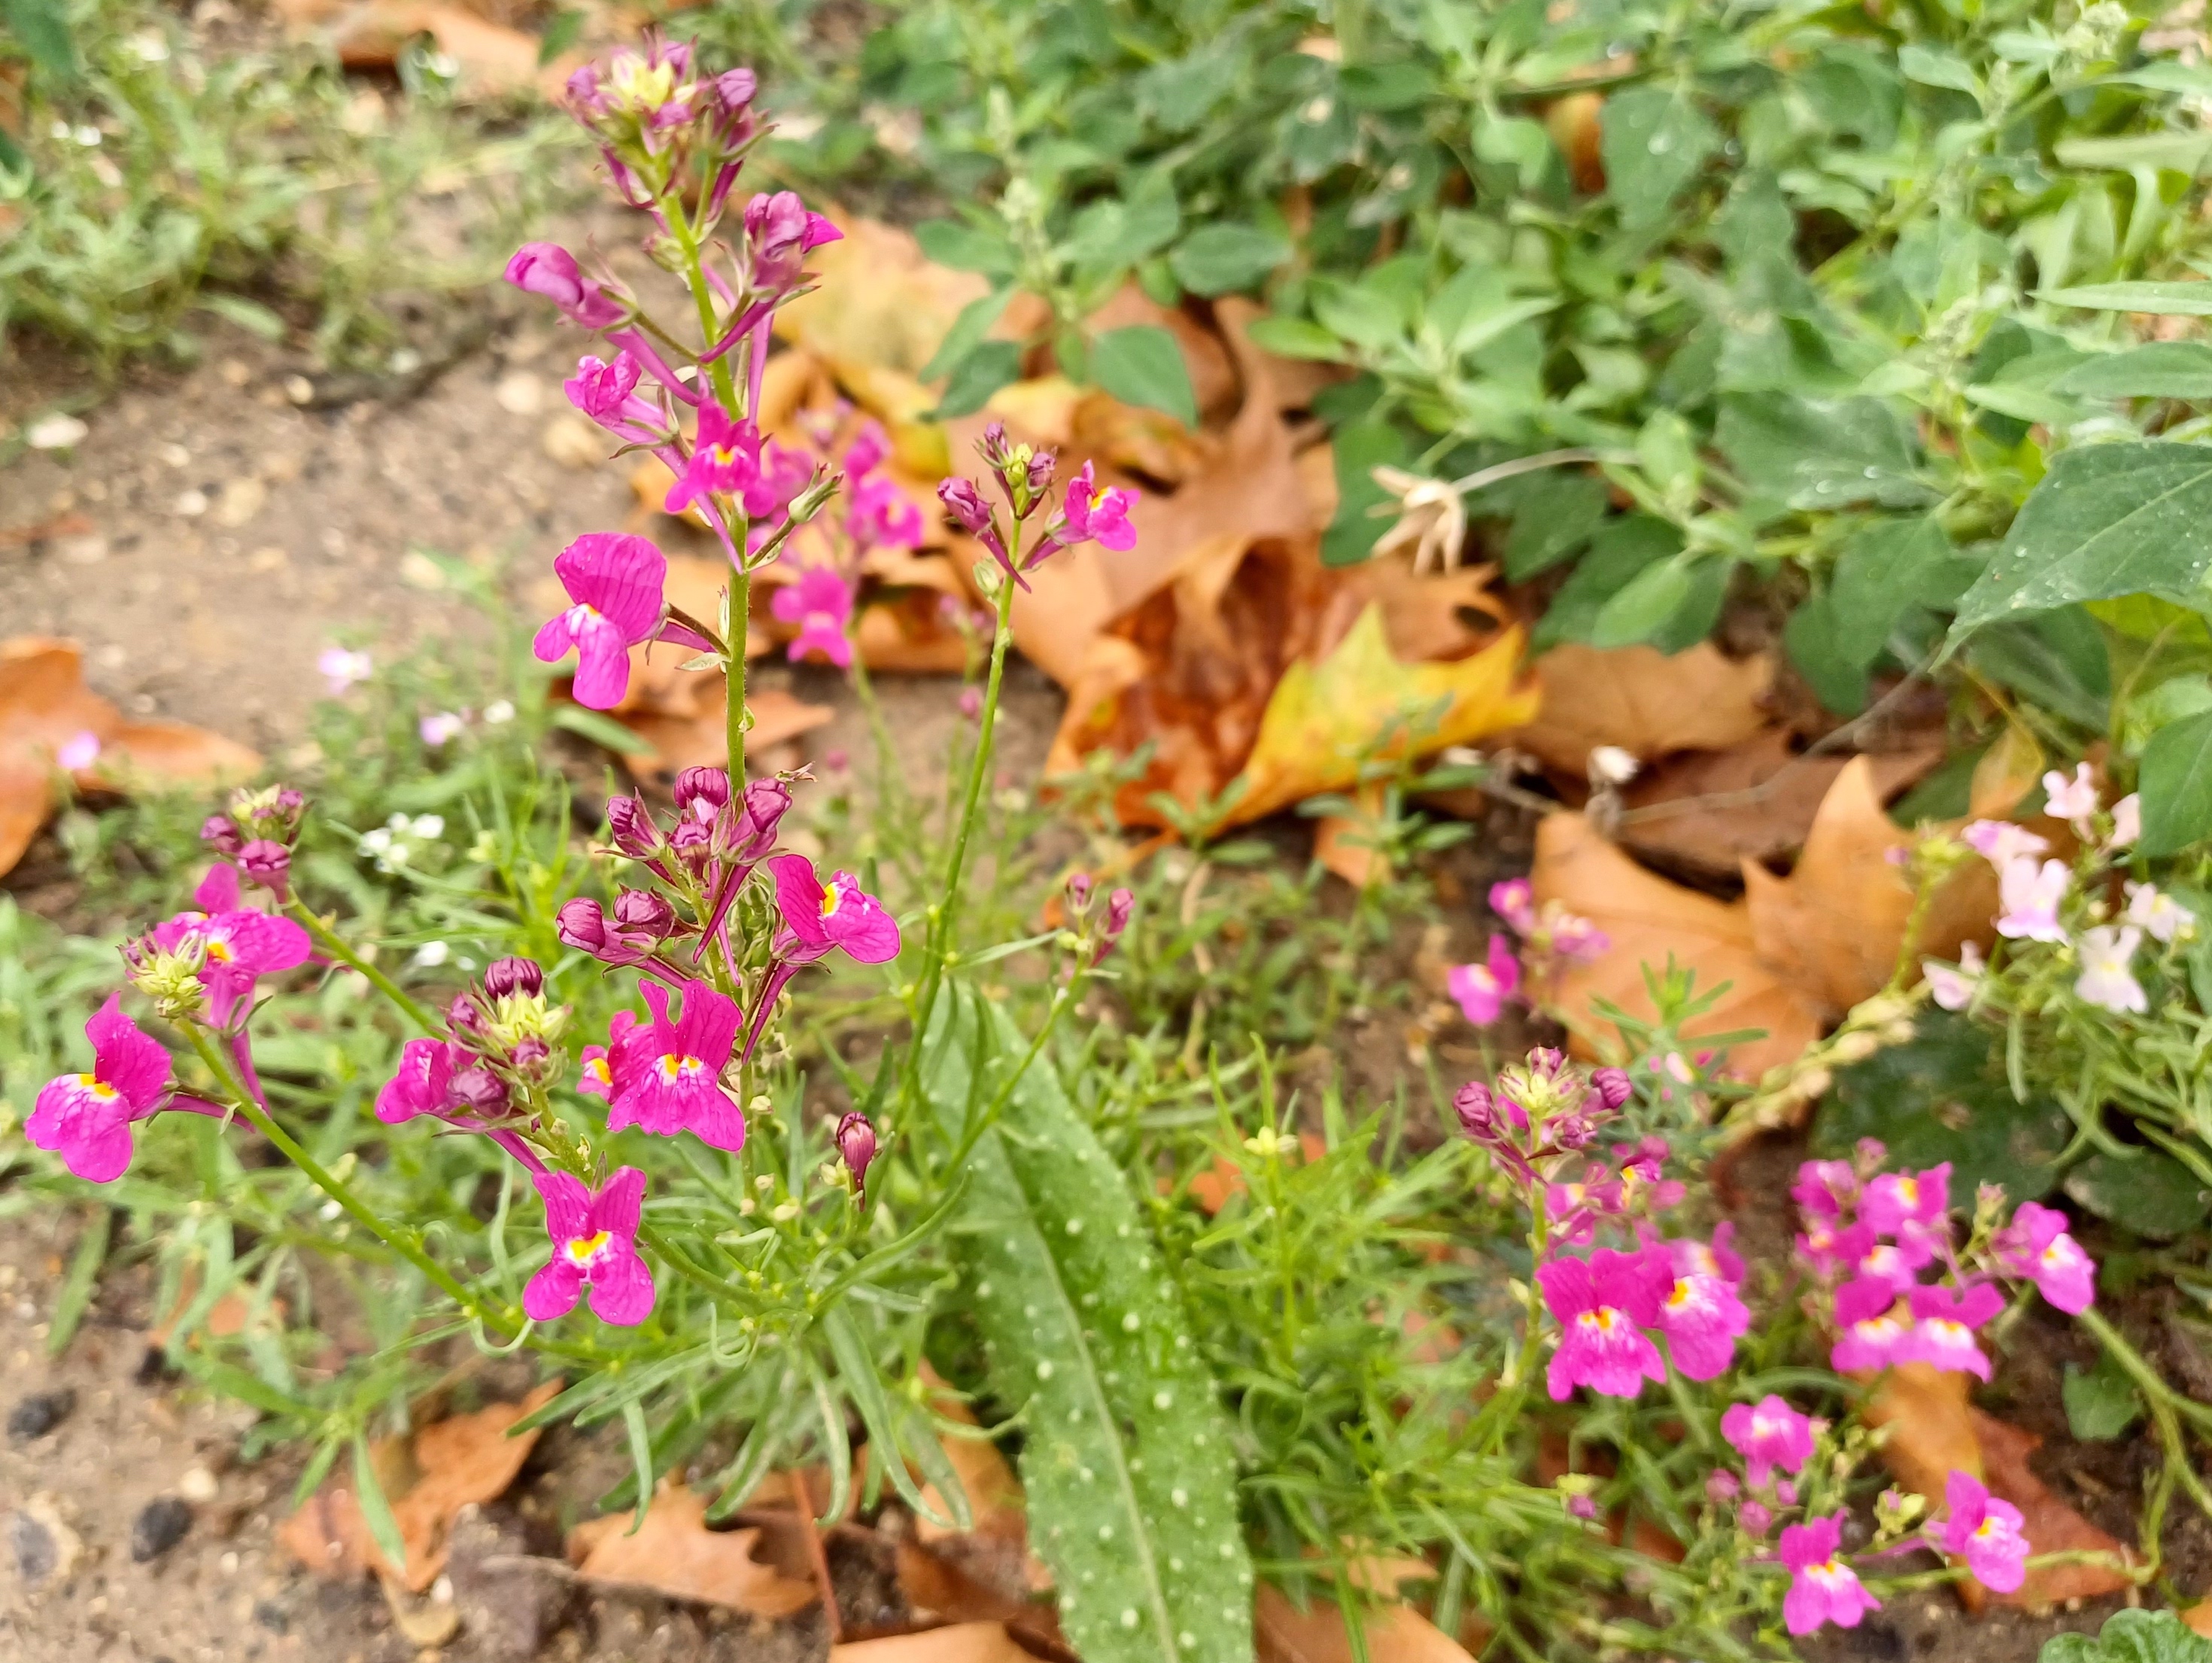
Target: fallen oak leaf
[(1644, 702), (961, 1642), (674, 1554), (1318, 1635)]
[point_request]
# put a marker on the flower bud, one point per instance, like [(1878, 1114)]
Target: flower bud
[(645, 912), (268, 863), (1078, 891), (967, 505), (462, 1015), (1720, 1486), (1755, 1518), (1119, 905), (218, 833), (856, 1146), (1575, 1129), (506, 977), (581, 924), (702, 793), (1476, 1111), (481, 1090), (766, 802), (1612, 1086), (630, 824)]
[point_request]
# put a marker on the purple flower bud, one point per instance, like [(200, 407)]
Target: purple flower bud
[(504, 976), (1119, 905), (766, 802), (289, 802), (1574, 1130), (462, 1016), (630, 823), (480, 1089), (1582, 1507), (1786, 1493), (1612, 1086), (530, 1052), (1477, 1113), (1546, 1061), (702, 793), (1043, 466), (547, 270), (218, 833), (967, 504), (693, 843), (1078, 891), (645, 912), (1720, 1486), (581, 924), (781, 232), (971, 702), (856, 1144), (1755, 1518), (992, 446), (267, 863)]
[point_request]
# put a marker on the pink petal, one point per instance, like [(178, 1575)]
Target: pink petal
[(619, 1203), (621, 1291), (218, 891), (568, 1207), (620, 576), (551, 1294), (125, 1057)]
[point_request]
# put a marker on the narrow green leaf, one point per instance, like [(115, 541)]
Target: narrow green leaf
[(2176, 781), (76, 1289), (2158, 369), (599, 728), (2174, 300), (974, 323), (375, 1510), (641, 1456), (1295, 338), (1142, 365), (250, 315), (856, 1373), (836, 1445), (561, 31)]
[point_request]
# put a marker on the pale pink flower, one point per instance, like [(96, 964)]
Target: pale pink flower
[(2127, 821), (2001, 842), (1953, 986), (2105, 980), (2073, 799), (2030, 895), (2159, 916)]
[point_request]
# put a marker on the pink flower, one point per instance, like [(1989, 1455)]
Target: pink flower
[(1701, 1317), (1895, 1202), (1514, 901), (1943, 1335), (2001, 843), (883, 517), (440, 1077), (1897, 1263), (86, 1119), (2073, 800), (869, 451), (726, 459), (1603, 1304), (1639, 1182), (1827, 1188), (1954, 989), (341, 669), (1099, 517), (78, 752), (820, 603), (676, 1085), (855, 1138), (781, 232), (1822, 1588), (840, 914), (614, 581), (609, 1070), (1482, 989), (2127, 821), (2105, 980), (2037, 1244), (594, 1235), (607, 393), (2030, 896), (547, 270), (1692, 1257), (1768, 1435), (2151, 910), (968, 506), (1869, 1333), (441, 728), (1575, 937), (240, 944), (1985, 1531)]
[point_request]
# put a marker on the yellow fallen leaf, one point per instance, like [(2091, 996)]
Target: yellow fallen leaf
[(1322, 718)]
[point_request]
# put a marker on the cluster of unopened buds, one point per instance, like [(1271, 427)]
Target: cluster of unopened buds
[(1612, 1306), (1551, 936), (2045, 900)]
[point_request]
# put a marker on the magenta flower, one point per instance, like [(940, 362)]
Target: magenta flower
[(1482, 989), (1718, 1257), (614, 581), (1943, 1332), (883, 517), (2037, 1245), (1575, 937), (2105, 980), (2001, 843), (2030, 895), (1603, 1304), (609, 1070), (240, 944), (547, 270), (969, 507), (1096, 515), (86, 1119), (821, 604), (1639, 1181), (781, 232), (594, 1235), (726, 459), (1822, 1588), (856, 1147), (840, 914), (783, 474), (869, 451), (676, 1083), (2073, 800), (1985, 1532), (1768, 1435), (1701, 1317), (423, 1085), (1895, 1264), (1828, 1187), (1869, 1334), (1898, 1202), (607, 393), (1514, 901)]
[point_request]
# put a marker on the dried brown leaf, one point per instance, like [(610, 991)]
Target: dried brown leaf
[(1644, 702), (2049, 1524), (1317, 1634), (674, 1554), (961, 1643)]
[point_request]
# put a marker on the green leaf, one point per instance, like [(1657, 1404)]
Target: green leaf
[(78, 1286), (1219, 259), (640, 1457), (2106, 521), (965, 247), (2150, 1193), (2176, 781), (375, 1510), (1821, 453), (989, 367), (1127, 1459), (1295, 338), (42, 29), (1654, 141), (1142, 365), (561, 31), (2101, 1402), (1114, 234), (2131, 1636), (249, 315), (968, 330), (1933, 68), (1645, 602), (598, 728), (2172, 300), (2160, 369), (1360, 448)]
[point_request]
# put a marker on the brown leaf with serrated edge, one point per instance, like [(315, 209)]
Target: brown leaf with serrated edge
[(961, 1643), (1317, 1635), (1650, 920), (1644, 702), (428, 1477), (2049, 1524), (674, 1553)]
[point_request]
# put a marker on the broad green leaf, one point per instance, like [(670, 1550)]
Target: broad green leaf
[(1126, 1460), (2176, 781), (1644, 604), (965, 247), (1295, 338), (1360, 448), (2177, 299), (968, 331), (1142, 365), (1115, 234), (42, 29), (2160, 369), (2131, 1636), (987, 367), (1933, 68), (1654, 140), (1821, 453), (2106, 521), (1219, 259), (2152, 1194), (1619, 551), (2100, 1403), (1555, 514)]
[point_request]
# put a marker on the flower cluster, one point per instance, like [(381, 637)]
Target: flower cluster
[(1549, 937), (1022, 477)]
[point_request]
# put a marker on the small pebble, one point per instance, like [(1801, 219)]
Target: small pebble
[(160, 1527), (40, 1413), (36, 1555), (198, 1485), (270, 1615)]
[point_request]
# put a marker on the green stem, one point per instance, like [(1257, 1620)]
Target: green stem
[(328, 941)]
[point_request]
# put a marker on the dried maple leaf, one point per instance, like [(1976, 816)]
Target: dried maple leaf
[(674, 1553), (428, 1477), (1644, 702), (961, 1643), (1317, 1634), (2049, 1524)]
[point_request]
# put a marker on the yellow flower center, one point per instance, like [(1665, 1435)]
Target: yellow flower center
[(1680, 1296), (596, 1071), (1603, 1320), (831, 899), (584, 1248), (673, 1069), (99, 1087)]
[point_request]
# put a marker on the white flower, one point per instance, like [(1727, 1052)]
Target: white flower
[(500, 710), (2105, 981), (2161, 915), (1432, 517), (430, 955), (1954, 987), (427, 827), (341, 669)]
